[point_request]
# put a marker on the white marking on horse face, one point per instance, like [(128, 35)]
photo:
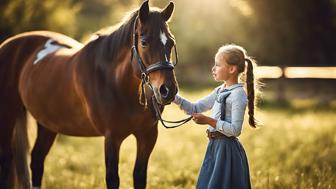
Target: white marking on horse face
[(36, 187), (48, 48), (163, 38)]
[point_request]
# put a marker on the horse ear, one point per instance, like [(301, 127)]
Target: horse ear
[(168, 11), (144, 11)]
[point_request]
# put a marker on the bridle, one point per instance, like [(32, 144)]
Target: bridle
[(145, 71)]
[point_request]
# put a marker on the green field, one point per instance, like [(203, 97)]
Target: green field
[(295, 148)]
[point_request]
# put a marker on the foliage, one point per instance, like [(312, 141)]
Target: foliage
[(296, 33), (98, 14), (18, 16)]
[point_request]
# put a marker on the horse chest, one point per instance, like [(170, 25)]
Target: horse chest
[(122, 120)]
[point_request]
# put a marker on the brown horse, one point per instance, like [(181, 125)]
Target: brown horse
[(85, 90)]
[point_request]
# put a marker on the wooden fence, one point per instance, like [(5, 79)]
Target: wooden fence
[(300, 82)]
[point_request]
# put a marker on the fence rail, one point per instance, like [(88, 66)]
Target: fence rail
[(274, 72), (300, 82)]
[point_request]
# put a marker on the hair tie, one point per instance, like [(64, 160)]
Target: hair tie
[(248, 60)]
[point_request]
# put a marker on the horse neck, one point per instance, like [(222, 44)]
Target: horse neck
[(108, 79)]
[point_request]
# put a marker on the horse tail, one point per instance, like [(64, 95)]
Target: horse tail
[(20, 146), (13, 119)]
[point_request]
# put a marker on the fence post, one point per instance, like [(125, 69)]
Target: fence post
[(281, 97)]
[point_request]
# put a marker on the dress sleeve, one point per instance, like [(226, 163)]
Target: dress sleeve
[(201, 105), (234, 128)]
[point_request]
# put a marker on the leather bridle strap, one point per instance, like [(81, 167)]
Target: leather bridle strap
[(162, 65), (163, 122)]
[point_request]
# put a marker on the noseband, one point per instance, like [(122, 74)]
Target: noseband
[(161, 65)]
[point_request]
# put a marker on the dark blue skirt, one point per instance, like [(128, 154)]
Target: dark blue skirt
[(225, 166)]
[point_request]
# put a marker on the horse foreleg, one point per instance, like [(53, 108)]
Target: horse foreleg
[(145, 144), (44, 141), (112, 147)]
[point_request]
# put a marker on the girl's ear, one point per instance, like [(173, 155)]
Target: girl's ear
[(233, 69)]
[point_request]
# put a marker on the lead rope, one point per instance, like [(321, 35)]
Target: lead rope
[(143, 101), (142, 97), (158, 116)]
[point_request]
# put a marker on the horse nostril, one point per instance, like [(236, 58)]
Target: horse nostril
[(164, 91)]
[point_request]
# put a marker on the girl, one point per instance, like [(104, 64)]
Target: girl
[(225, 164)]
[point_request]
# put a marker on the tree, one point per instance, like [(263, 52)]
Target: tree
[(295, 33), (24, 15)]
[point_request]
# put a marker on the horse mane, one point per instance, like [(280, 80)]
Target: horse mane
[(109, 42)]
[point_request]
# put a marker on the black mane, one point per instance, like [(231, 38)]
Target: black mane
[(111, 42)]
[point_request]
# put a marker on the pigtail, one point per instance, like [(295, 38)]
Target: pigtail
[(250, 86), (237, 56)]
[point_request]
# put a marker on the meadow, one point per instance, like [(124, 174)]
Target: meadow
[(294, 148)]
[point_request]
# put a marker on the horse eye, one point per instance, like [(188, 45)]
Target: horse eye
[(144, 43)]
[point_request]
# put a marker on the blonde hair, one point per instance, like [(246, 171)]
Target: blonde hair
[(237, 55)]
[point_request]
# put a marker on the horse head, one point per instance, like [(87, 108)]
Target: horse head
[(153, 44)]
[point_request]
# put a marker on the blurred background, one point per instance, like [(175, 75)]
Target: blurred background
[(279, 33), (294, 43)]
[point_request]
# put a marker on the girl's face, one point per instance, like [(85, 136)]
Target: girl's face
[(222, 71)]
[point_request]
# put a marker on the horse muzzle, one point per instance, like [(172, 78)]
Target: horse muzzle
[(165, 94)]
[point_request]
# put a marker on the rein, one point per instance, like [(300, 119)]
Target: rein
[(162, 65), (163, 122)]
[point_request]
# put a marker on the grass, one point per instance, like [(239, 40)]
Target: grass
[(293, 149)]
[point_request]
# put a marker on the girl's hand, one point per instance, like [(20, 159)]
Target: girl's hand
[(202, 119)]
